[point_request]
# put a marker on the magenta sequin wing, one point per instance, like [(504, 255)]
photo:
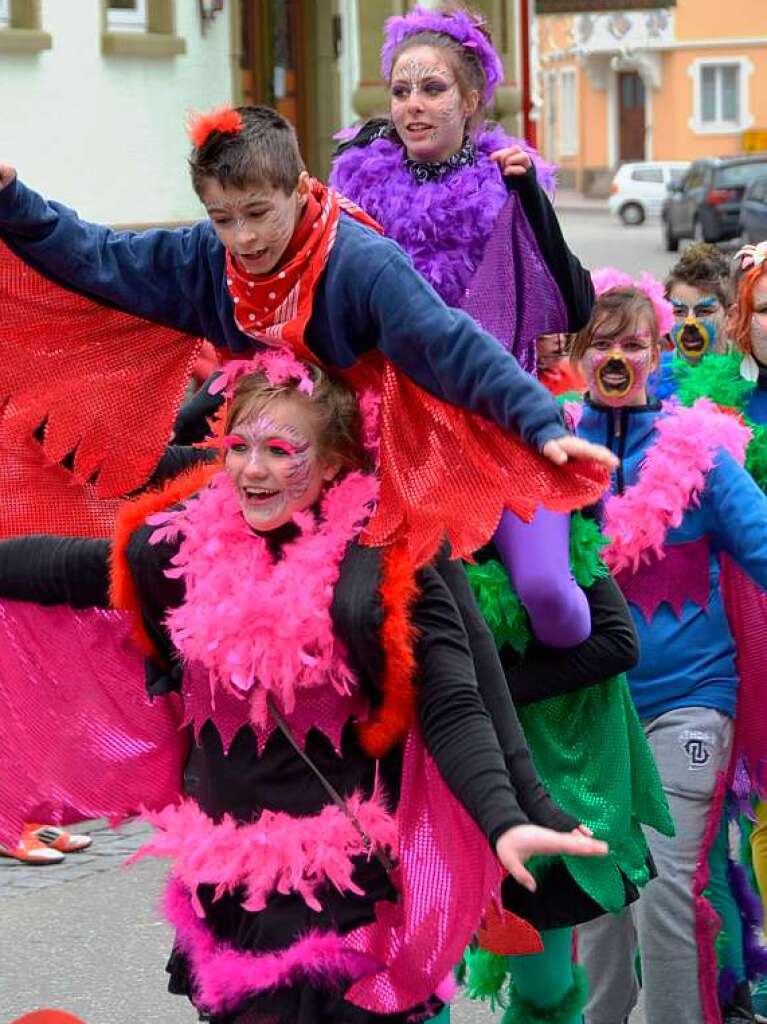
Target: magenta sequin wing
[(448, 876), (746, 607), (80, 738), (513, 295)]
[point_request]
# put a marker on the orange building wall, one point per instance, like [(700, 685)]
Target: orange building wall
[(672, 106), (714, 19), (676, 140)]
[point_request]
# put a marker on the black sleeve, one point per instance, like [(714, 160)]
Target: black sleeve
[(175, 459), (456, 725), (611, 648), (191, 423), (55, 570), (573, 280), (532, 796), (156, 593)]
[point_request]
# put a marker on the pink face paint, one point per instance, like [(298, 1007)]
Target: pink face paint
[(232, 441), (616, 377)]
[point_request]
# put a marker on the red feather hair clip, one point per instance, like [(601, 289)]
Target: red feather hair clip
[(224, 119)]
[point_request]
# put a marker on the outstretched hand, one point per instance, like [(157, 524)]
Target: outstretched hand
[(7, 174), (517, 845), (562, 449), (512, 161)]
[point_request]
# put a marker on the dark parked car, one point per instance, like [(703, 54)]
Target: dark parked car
[(706, 204), (753, 211)]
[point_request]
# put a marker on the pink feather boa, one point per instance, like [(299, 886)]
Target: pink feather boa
[(262, 627), (671, 480), (224, 977), (608, 278), (277, 853)]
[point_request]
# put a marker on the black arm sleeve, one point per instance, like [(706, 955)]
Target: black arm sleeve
[(456, 725), (175, 459), (55, 570), (611, 648), (532, 796), (156, 594), (192, 419), (573, 280)]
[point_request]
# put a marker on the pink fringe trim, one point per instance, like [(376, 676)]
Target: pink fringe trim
[(278, 853), (608, 278), (224, 977), (707, 923), (671, 480)]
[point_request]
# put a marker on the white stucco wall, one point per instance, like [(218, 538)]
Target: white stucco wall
[(105, 134)]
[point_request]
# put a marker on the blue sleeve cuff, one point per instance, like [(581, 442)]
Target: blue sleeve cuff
[(551, 432), (25, 213)]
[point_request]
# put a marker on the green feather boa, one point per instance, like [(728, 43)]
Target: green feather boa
[(718, 377)]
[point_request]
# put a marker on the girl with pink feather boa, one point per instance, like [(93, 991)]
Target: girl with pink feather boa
[(680, 499), (323, 872)]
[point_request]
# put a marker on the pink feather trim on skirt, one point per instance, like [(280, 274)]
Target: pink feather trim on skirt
[(224, 977), (278, 853)]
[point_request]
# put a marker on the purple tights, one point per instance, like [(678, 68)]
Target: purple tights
[(537, 558)]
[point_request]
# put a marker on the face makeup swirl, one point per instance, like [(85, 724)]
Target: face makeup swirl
[(699, 321), (616, 369), (255, 224), (273, 460), (427, 109)]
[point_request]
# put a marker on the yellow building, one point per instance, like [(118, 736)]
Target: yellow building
[(652, 81)]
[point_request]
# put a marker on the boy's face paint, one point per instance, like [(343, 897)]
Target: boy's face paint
[(273, 460), (759, 320), (426, 107), (699, 319), (255, 223), (616, 369)]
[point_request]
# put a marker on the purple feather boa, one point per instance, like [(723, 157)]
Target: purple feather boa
[(443, 225), (460, 25)]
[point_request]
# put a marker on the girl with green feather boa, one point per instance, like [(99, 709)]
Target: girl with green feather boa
[(590, 750)]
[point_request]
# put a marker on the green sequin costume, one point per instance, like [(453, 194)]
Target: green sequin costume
[(588, 746)]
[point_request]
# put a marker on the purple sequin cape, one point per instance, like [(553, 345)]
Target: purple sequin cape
[(464, 233)]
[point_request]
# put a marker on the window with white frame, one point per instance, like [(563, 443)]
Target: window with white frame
[(126, 15), (551, 109), (721, 95), (5, 13), (568, 113)]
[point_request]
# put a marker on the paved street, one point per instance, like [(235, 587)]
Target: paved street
[(85, 936), (599, 239)]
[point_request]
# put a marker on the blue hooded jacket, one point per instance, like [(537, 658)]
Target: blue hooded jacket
[(687, 661)]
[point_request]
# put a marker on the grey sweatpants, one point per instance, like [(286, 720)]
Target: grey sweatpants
[(690, 746)]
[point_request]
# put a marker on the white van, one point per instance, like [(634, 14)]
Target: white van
[(638, 190)]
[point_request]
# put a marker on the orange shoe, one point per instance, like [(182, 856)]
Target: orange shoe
[(56, 838), (29, 850)]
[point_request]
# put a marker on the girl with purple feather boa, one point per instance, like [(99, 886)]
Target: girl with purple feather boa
[(466, 202), (469, 204)]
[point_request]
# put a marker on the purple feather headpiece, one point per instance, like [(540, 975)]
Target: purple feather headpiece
[(460, 25)]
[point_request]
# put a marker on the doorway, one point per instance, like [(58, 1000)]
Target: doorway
[(272, 65), (631, 116)]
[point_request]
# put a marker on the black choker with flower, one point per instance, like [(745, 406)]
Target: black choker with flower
[(435, 170)]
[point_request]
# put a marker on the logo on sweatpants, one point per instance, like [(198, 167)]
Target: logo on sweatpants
[(697, 745)]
